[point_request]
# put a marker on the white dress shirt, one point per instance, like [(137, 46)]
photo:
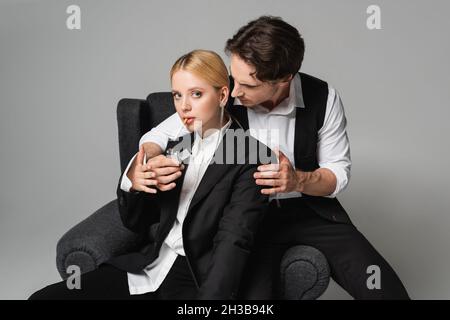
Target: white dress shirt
[(333, 148), (203, 149)]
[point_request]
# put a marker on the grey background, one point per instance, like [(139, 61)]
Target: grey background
[(59, 90)]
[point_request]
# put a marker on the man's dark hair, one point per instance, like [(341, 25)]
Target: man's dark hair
[(272, 46)]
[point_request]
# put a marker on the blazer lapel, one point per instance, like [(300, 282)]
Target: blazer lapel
[(212, 175), (214, 172)]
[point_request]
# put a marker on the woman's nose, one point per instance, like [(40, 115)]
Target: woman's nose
[(185, 105)]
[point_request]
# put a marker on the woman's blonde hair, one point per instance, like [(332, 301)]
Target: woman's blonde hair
[(205, 64)]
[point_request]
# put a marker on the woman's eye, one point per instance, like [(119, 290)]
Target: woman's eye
[(176, 95), (196, 94)]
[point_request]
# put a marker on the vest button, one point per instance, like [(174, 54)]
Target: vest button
[(334, 217)]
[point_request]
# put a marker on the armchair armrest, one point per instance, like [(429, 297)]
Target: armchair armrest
[(94, 240), (304, 273)]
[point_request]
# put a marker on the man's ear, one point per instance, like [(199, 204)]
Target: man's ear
[(287, 78), (284, 80)]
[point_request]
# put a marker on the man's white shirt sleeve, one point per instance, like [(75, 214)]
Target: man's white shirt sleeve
[(126, 184), (167, 130), (333, 148)]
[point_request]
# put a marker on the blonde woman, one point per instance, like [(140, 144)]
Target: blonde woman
[(206, 219)]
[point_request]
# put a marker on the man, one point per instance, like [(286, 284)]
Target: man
[(314, 162)]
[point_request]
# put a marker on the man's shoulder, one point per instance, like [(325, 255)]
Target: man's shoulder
[(305, 77), (313, 79)]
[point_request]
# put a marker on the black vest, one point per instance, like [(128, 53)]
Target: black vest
[(308, 122)]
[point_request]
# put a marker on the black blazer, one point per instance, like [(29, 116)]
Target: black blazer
[(219, 228)]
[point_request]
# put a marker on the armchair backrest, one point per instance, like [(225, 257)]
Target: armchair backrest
[(135, 117)]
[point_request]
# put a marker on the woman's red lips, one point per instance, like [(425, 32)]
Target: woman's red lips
[(189, 120)]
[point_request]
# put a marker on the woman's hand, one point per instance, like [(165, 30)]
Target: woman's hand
[(140, 179)]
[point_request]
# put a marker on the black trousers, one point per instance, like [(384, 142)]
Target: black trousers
[(109, 283), (348, 253)]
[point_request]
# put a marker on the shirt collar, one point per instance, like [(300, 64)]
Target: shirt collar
[(213, 136), (295, 100)]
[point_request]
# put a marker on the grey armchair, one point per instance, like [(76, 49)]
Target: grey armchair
[(304, 271)]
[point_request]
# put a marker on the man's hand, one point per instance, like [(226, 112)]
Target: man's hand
[(283, 178)]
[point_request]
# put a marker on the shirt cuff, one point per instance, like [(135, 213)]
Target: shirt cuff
[(126, 183), (342, 178)]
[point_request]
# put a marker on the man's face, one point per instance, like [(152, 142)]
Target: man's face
[(250, 90)]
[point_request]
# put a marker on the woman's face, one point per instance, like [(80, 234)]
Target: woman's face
[(197, 102)]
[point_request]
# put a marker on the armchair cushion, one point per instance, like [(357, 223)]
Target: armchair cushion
[(304, 271)]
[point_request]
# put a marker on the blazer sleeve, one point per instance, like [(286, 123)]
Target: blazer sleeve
[(235, 237), (138, 210)]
